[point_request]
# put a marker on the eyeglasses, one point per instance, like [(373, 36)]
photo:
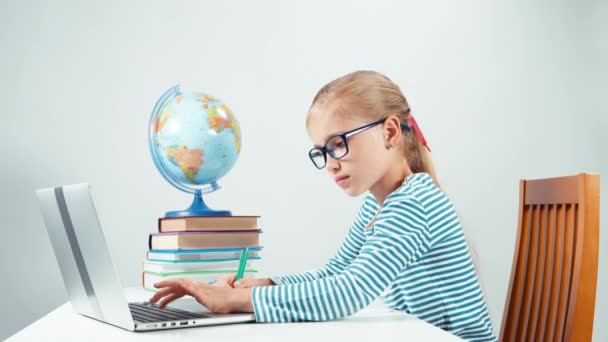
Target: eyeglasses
[(337, 146)]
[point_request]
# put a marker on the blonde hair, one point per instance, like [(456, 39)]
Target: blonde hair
[(379, 97)]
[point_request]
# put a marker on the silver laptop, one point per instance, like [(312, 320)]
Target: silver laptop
[(89, 274)]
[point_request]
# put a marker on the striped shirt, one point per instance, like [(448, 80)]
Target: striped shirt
[(414, 255)]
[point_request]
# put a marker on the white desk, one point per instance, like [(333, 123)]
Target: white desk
[(374, 324)]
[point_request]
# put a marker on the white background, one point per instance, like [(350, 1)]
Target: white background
[(502, 90)]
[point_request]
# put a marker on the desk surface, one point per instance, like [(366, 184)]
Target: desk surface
[(375, 323)]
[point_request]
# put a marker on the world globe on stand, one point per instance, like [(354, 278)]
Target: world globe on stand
[(195, 140)]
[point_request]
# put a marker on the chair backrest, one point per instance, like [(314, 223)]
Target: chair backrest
[(554, 274)]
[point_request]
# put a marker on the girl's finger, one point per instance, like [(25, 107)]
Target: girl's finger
[(226, 280), (168, 300), (166, 283), (160, 293), (245, 282), (220, 283)]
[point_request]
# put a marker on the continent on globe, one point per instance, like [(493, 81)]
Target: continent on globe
[(162, 118), (221, 118), (206, 99), (188, 160)]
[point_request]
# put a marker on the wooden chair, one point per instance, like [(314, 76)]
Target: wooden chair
[(554, 274)]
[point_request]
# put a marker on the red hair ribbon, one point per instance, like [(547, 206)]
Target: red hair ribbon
[(412, 122)]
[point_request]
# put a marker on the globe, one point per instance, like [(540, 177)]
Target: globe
[(195, 140)]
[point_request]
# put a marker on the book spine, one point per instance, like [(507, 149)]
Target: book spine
[(221, 232), (159, 219), (149, 241)]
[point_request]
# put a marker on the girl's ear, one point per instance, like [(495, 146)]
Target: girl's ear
[(392, 131)]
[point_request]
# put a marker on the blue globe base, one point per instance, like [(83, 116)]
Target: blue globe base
[(198, 208)]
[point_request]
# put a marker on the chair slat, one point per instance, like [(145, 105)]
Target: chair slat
[(530, 277), (549, 281), (541, 271), (566, 274), (557, 273)]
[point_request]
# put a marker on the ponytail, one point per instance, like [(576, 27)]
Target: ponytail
[(417, 151)]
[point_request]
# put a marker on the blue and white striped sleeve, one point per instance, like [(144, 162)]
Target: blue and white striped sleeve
[(400, 236), (347, 252)]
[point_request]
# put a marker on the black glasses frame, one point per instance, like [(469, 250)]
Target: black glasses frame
[(325, 151)]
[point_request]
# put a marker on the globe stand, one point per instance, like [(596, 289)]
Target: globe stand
[(198, 208)]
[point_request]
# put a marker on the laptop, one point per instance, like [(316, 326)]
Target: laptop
[(88, 271)]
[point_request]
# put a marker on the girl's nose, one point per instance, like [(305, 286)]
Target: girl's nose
[(333, 165)]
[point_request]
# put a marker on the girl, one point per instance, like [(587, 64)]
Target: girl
[(406, 243)]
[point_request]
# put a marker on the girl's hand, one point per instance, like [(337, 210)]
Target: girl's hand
[(217, 299), (246, 282)]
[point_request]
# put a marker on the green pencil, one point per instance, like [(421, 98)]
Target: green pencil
[(242, 264)]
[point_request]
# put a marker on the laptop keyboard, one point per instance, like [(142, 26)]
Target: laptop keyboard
[(147, 312)]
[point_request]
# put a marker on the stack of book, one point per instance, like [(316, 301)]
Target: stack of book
[(202, 248)]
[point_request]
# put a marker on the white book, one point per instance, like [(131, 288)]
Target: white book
[(168, 266), (202, 254)]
